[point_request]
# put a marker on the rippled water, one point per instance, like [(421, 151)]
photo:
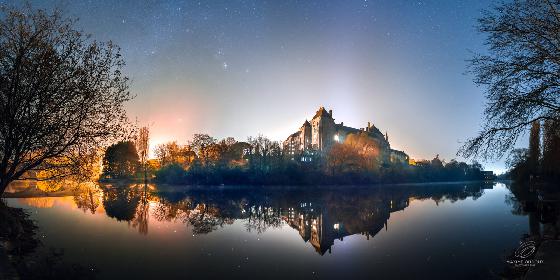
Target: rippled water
[(391, 232)]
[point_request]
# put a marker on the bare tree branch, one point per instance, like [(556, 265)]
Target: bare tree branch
[(61, 94), (520, 73)]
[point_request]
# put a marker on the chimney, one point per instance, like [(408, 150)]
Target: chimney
[(368, 126), (342, 123), (330, 113)]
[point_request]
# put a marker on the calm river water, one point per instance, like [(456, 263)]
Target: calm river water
[(452, 231)]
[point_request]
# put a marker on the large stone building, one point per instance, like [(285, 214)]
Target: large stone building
[(322, 132)]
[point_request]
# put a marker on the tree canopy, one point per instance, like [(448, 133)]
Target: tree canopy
[(121, 160), (61, 94), (520, 73)]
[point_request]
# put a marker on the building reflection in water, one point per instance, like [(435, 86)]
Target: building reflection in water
[(322, 226), (320, 216)]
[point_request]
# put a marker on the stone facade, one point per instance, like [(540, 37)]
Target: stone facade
[(322, 132)]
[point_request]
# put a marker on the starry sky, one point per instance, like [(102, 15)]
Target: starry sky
[(240, 68)]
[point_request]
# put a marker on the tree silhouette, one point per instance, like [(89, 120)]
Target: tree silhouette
[(551, 149), (171, 152), (200, 144), (520, 73), (518, 162), (534, 147), (120, 160), (61, 94), (264, 154), (142, 147)]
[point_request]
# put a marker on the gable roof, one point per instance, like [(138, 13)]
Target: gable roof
[(322, 113), (295, 134), (374, 132)]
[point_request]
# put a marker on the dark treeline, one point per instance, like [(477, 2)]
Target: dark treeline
[(260, 161), (541, 160)]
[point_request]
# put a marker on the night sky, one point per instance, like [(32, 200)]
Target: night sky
[(239, 68)]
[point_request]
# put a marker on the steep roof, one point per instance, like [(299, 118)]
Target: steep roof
[(306, 123), (322, 113), (295, 134), (399, 152), (374, 132)]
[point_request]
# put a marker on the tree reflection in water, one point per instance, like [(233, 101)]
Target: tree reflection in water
[(88, 198), (541, 203), (130, 203), (319, 215), (120, 202), (142, 214)]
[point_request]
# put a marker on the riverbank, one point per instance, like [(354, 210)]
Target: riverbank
[(549, 254), (22, 255), (17, 237), (7, 271), (17, 231)]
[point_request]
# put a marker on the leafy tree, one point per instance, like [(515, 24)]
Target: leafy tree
[(520, 73), (215, 153), (368, 149), (200, 144), (436, 162), (121, 160), (171, 174), (342, 158), (61, 94), (236, 152), (173, 153)]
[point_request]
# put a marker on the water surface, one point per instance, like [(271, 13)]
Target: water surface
[(439, 231)]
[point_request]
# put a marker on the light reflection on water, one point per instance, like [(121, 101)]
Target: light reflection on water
[(422, 231)]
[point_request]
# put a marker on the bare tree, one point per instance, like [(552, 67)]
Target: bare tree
[(263, 153), (521, 73), (142, 147), (61, 94)]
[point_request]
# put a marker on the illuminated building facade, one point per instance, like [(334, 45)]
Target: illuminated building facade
[(319, 134)]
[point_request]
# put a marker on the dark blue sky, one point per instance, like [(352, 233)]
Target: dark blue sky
[(238, 68)]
